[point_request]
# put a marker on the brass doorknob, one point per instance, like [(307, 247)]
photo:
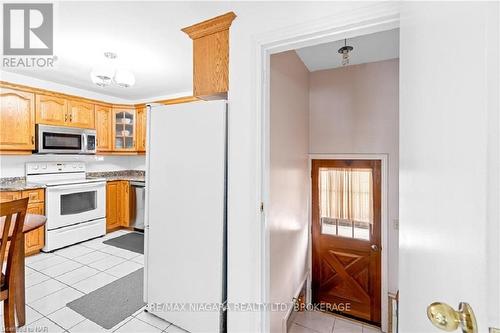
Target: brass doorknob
[(374, 247), (448, 319)]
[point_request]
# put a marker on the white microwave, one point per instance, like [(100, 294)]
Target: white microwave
[(65, 140)]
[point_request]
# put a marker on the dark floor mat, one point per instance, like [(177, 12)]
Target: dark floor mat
[(111, 304), (133, 241)]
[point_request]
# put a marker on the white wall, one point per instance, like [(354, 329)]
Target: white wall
[(289, 180), (355, 110), (13, 166), (245, 283)]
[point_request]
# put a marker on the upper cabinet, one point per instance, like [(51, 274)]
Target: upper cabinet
[(104, 128), (59, 111), (80, 114), (51, 110), (124, 129), (17, 121), (141, 128), (211, 56)]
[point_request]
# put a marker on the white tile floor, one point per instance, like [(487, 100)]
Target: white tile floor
[(318, 322), (54, 279)]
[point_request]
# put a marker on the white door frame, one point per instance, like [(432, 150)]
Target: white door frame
[(384, 224), (370, 19)]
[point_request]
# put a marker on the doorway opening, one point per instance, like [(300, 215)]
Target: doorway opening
[(332, 127), (346, 242)]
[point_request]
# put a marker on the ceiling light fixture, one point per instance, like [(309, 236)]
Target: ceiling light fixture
[(344, 51), (107, 73)]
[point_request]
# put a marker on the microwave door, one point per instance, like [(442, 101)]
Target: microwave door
[(62, 140)]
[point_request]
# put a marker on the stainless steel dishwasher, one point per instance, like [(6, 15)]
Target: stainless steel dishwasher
[(137, 211)]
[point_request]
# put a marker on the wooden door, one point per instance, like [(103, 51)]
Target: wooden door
[(17, 120), (141, 129), (124, 203), (346, 218), (35, 239), (80, 114), (103, 119), (112, 204), (124, 129), (51, 110)]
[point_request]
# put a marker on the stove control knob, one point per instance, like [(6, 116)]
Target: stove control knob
[(44, 166), (35, 167)]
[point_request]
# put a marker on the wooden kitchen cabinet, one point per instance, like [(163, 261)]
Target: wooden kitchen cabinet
[(104, 128), (80, 114), (17, 121), (141, 129), (59, 111), (51, 110), (117, 204), (125, 203), (34, 240), (211, 56), (112, 205), (124, 129)]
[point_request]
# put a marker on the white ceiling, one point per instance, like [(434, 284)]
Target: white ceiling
[(367, 48), (145, 35)]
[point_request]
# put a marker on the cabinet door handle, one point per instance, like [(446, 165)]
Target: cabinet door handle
[(66, 117), (71, 117), (32, 140)]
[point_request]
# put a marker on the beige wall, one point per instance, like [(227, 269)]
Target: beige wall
[(289, 195), (356, 110)]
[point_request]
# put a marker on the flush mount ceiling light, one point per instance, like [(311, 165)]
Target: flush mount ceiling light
[(107, 73), (344, 51)]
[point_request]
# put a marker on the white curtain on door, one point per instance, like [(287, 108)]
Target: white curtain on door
[(346, 193)]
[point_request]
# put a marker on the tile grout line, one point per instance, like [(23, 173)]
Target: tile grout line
[(70, 286)]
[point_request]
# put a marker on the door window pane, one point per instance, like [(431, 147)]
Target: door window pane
[(75, 203), (346, 202)]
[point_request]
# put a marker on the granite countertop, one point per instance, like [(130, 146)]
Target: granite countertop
[(17, 184), (130, 175), (20, 184)]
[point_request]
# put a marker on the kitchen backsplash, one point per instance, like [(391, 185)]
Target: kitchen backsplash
[(13, 166)]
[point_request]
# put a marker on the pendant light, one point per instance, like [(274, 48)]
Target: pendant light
[(107, 73), (345, 52)]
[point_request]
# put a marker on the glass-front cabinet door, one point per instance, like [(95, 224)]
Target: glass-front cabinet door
[(124, 129)]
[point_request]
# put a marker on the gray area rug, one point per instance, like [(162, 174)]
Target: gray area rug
[(133, 241), (109, 305)]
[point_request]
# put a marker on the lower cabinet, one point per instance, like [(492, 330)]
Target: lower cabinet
[(117, 204), (34, 240)]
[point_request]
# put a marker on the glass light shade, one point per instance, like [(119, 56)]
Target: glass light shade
[(124, 78), (99, 79), (102, 76)]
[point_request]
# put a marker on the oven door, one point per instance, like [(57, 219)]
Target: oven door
[(75, 203), (61, 140)]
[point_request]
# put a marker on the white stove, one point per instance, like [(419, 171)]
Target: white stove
[(75, 205)]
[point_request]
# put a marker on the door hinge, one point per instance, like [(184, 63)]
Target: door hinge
[(262, 207)]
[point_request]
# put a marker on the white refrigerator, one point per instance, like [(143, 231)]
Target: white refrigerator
[(185, 227)]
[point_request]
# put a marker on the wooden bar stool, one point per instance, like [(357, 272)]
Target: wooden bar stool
[(11, 279)]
